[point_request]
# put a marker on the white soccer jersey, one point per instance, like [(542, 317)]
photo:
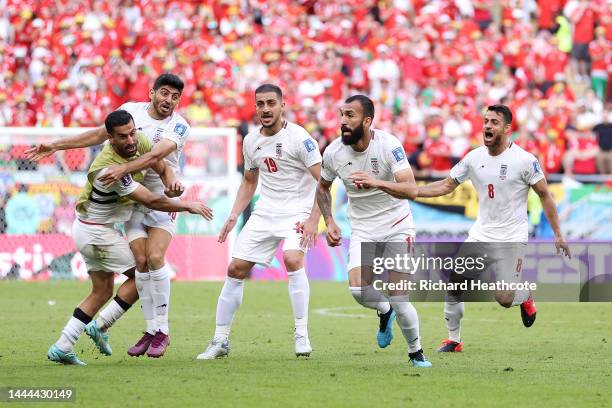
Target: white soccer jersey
[(370, 211), (502, 183), (287, 187), (102, 206), (174, 128)]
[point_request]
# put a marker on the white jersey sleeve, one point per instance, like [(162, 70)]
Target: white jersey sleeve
[(328, 171), (247, 154), (396, 155), (177, 131), (124, 186), (461, 171), (308, 150), (532, 172)]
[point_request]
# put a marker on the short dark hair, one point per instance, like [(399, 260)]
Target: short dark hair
[(502, 110), (270, 88), (117, 118), (366, 104), (170, 80)]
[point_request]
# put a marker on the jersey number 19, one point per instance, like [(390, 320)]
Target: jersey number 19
[(491, 189), (271, 164)]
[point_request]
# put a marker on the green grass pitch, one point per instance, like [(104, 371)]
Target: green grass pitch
[(565, 359)]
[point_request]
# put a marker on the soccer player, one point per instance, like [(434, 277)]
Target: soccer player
[(149, 232), (501, 173), (103, 248), (287, 160), (378, 179)]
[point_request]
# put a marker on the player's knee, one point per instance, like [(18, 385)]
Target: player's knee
[(155, 260), (237, 271), (294, 262), (505, 299), (141, 263)]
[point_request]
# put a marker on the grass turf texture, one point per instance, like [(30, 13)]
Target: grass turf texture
[(563, 360)]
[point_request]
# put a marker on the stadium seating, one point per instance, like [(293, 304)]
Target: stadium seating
[(430, 66)]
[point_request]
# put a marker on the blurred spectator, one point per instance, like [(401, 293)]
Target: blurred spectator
[(583, 16), (581, 156), (22, 213), (603, 131), (69, 63), (197, 113), (600, 52)]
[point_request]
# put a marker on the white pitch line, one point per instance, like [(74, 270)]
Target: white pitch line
[(337, 312)]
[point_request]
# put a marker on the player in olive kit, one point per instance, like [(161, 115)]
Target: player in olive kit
[(103, 248), (502, 173), (149, 232)]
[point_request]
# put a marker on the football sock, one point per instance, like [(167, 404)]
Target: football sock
[(369, 297), (112, 312), (73, 330), (408, 321), (453, 312), (143, 285), (160, 292), (520, 296), (299, 293), (227, 305)]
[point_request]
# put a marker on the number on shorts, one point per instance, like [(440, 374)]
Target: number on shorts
[(491, 189), (271, 164), (519, 265), (172, 216)]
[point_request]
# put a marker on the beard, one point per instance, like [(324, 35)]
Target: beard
[(274, 122), (354, 137)]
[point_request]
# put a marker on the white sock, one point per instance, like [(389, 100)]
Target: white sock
[(143, 285), (408, 320), (72, 331), (299, 293), (160, 292), (111, 313), (520, 296), (453, 312), (229, 301), (369, 297)]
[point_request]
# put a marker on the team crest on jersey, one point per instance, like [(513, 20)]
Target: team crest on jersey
[(126, 180), (180, 129), (158, 133), (503, 171), (279, 150), (374, 162), (398, 153)]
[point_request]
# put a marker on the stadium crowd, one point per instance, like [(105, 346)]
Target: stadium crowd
[(431, 67)]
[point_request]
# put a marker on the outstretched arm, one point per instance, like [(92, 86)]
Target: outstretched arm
[(161, 149), (89, 138), (437, 188), (550, 209), (404, 185), (162, 203)]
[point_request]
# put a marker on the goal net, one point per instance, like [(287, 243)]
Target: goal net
[(37, 201)]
